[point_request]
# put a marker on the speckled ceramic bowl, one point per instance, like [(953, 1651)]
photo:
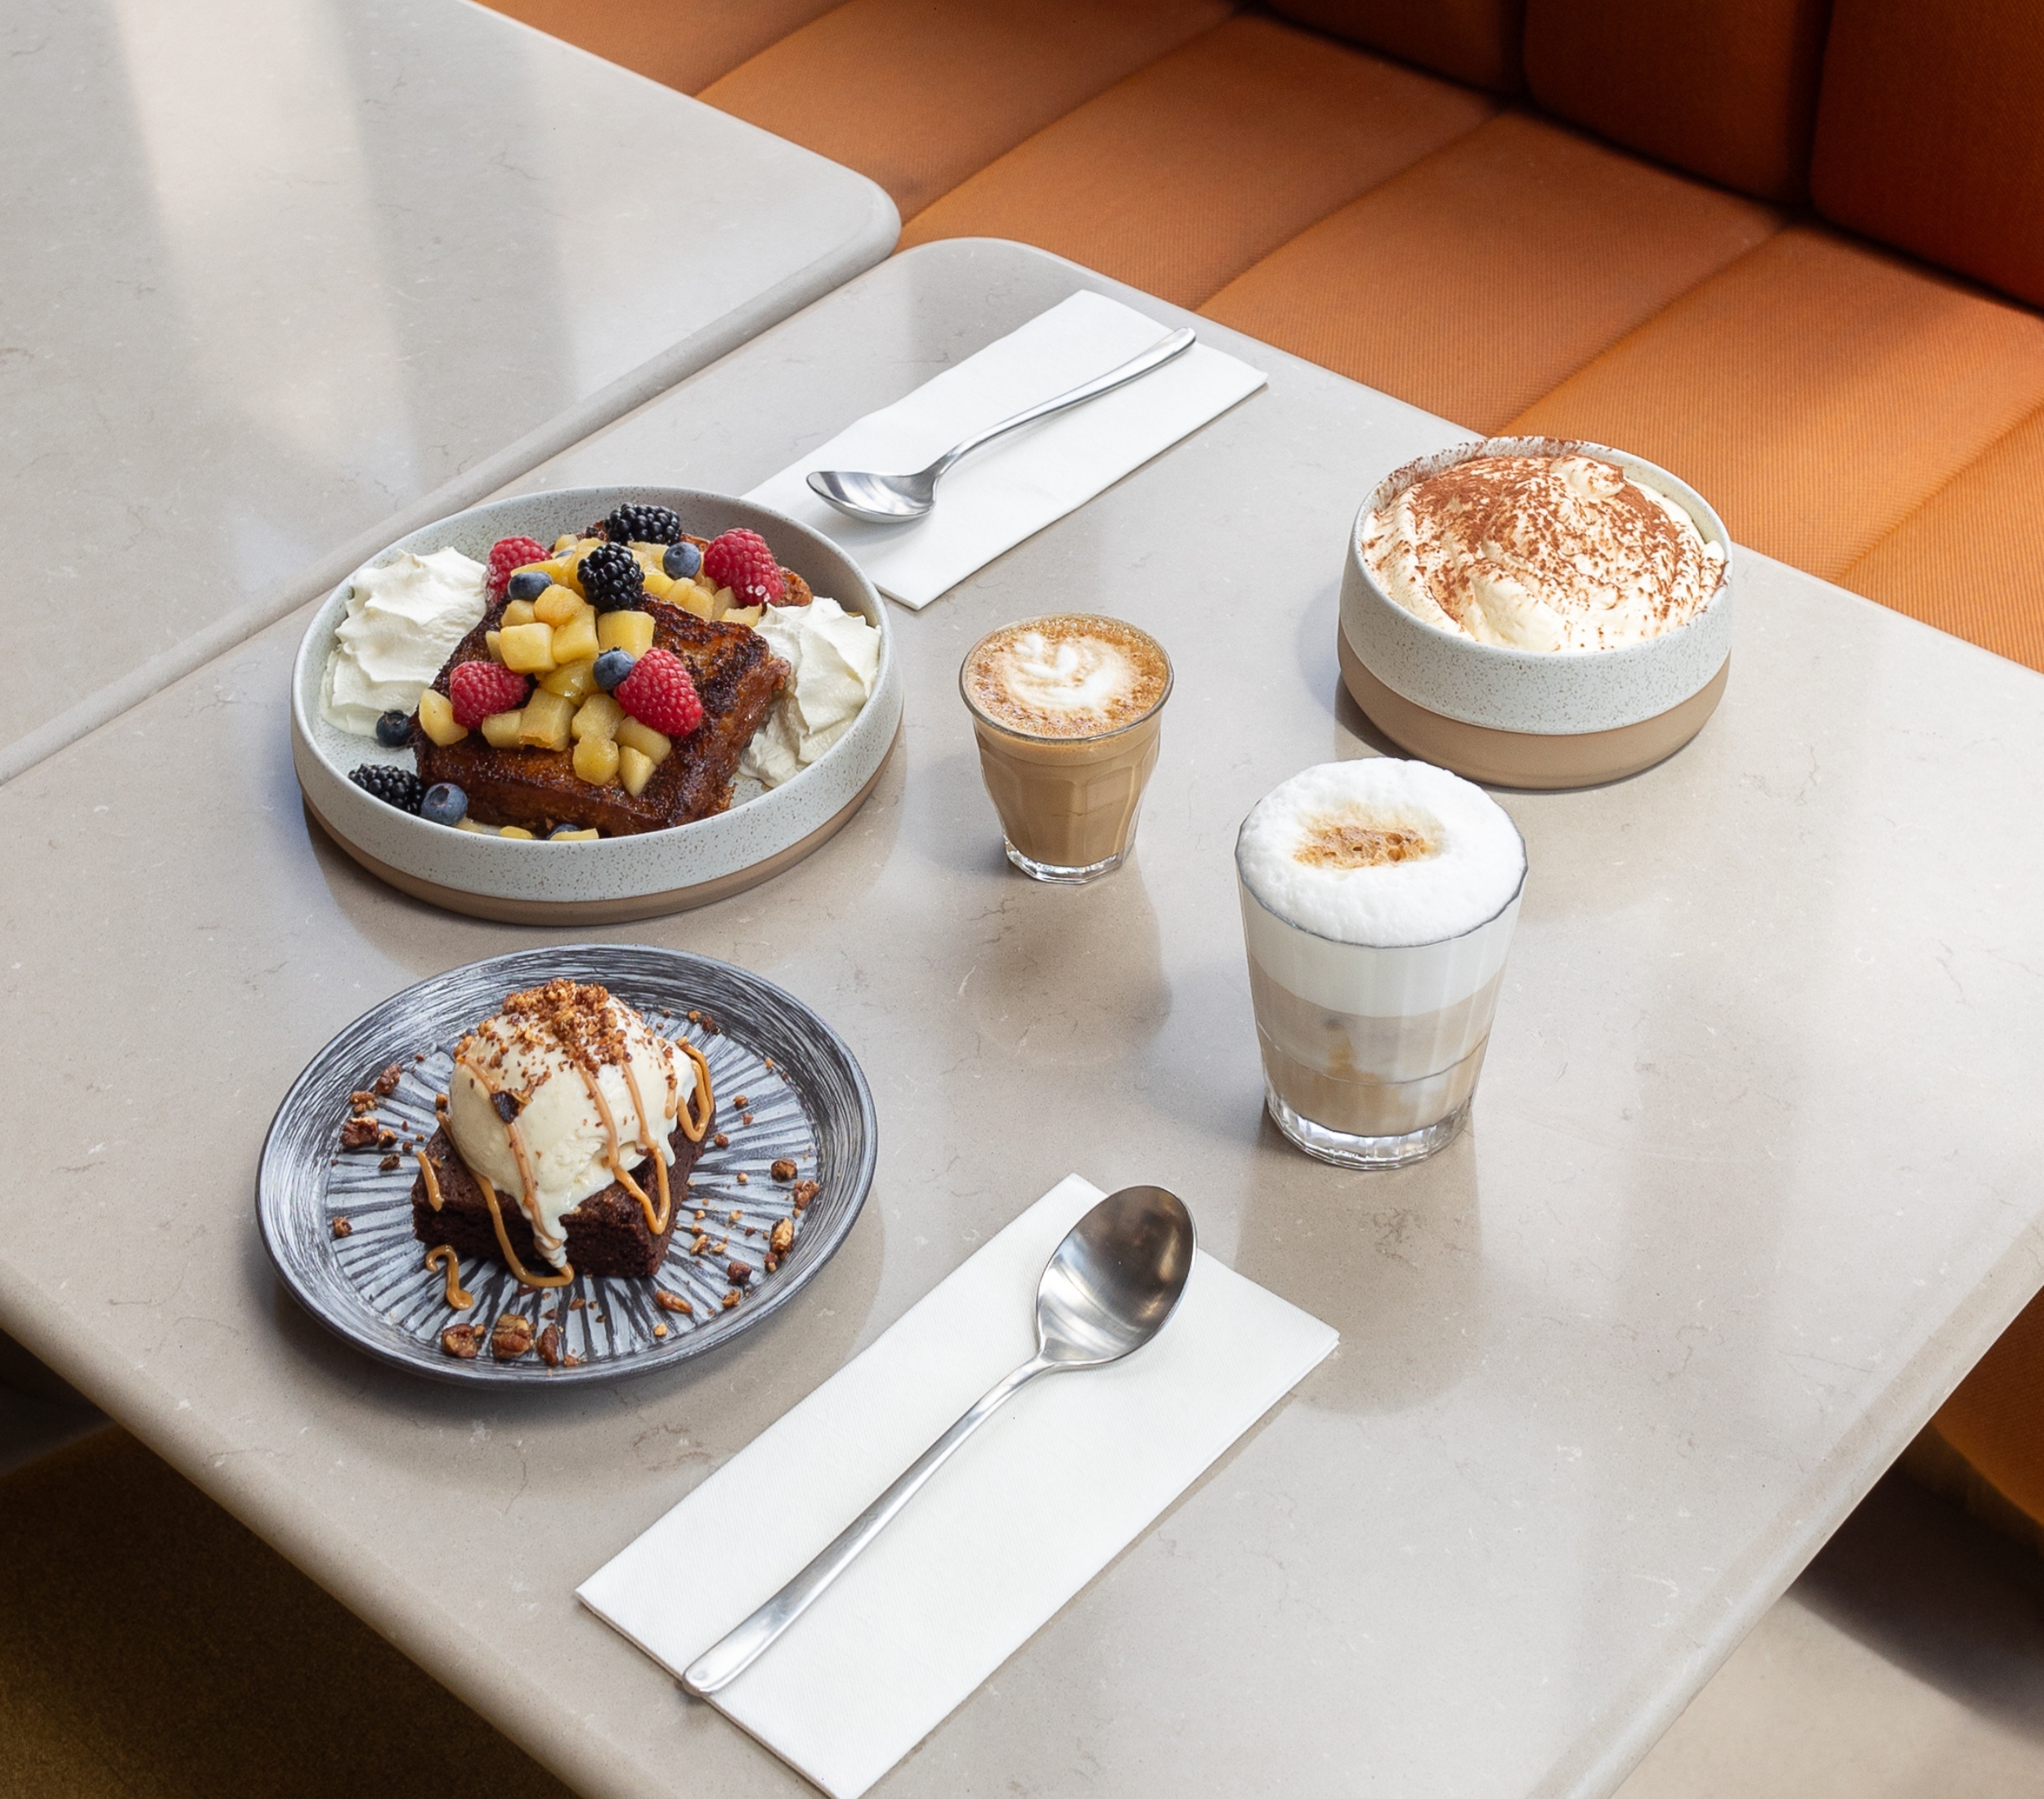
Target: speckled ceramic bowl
[(610, 878), (1532, 718)]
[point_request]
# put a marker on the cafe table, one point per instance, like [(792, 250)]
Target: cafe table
[(1750, 1182), (287, 278)]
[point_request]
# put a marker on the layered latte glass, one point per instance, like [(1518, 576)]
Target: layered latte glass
[(1378, 898)]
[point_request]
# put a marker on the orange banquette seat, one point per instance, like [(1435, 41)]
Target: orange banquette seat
[(1792, 250)]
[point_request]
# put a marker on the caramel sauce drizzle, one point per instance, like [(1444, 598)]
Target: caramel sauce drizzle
[(692, 1127), (432, 1180), (441, 1256), (614, 1161), (504, 1242), (655, 1222), (528, 1201)]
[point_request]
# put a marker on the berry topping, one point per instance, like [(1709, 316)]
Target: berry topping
[(661, 693), (681, 562), (643, 525), (393, 730), (444, 804), (612, 581), (477, 689), (527, 584), (507, 553), (741, 561), (398, 786), (613, 666)]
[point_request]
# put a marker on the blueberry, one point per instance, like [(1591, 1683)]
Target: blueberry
[(527, 584), (681, 561), (445, 804), (613, 666), (393, 730)]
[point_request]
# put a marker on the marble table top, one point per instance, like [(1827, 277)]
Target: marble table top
[(290, 277), (1751, 1179)]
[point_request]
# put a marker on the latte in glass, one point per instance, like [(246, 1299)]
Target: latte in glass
[(1378, 898)]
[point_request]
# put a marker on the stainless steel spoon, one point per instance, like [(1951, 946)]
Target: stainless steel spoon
[(894, 500), (1106, 1291)]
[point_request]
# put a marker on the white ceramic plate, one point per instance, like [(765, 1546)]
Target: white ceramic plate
[(612, 877)]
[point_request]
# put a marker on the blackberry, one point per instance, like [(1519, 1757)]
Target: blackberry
[(612, 579), (643, 525), (394, 786)]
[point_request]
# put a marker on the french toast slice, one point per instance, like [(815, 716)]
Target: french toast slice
[(737, 678)]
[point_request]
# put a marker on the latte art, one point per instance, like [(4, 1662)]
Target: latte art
[(1065, 677)]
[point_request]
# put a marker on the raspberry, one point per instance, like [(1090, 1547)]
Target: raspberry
[(477, 689), (660, 692), (741, 561), (507, 553)]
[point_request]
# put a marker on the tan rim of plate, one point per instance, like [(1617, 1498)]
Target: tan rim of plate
[(608, 912), (1522, 759)]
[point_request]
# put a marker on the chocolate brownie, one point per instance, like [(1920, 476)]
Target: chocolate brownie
[(606, 1234)]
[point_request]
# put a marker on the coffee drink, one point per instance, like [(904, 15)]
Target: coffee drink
[(1378, 898), (1067, 711)]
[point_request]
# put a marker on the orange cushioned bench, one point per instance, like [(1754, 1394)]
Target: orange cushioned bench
[(1793, 249)]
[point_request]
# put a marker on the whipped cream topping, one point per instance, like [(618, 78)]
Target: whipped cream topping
[(1563, 552), (1072, 676), (834, 658), (535, 1050), (1381, 851), (404, 619)]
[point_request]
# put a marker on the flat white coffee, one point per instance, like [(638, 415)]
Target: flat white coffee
[(1381, 852), (1073, 675)]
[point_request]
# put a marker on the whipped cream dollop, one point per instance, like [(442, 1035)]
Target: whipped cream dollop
[(1076, 675), (403, 621), (834, 659), (529, 1060), (1563, 552), (1381, 851)]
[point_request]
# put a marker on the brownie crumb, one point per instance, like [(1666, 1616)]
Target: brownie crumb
[(388, 1162), (740, 1273), (461, 1341)]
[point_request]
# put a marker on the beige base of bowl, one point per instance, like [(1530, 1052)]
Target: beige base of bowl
[(1521, 759), (605, 912)]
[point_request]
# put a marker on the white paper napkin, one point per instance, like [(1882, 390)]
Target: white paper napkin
[(1012, 489), (1045, 1496)]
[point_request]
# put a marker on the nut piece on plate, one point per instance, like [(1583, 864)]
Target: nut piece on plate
[(511, 1336), (461, 1341), (550, 1343)]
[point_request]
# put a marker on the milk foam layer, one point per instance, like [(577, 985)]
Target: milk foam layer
[(1380, 852), (1562, 552), (518, 1052), (1066, 677), (403, 621)]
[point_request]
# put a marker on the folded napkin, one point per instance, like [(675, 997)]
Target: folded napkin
[(1012, 489), (1044, 1496)]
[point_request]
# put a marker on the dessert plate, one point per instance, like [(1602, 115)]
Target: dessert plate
[(808, 1101), (612, 878)]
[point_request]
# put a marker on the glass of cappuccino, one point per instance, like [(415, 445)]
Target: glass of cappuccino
[(1066, 711), (1377, 902)]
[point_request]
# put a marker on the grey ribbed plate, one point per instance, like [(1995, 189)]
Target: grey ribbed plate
[(372, 1286)]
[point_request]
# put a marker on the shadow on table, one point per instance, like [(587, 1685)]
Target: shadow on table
[(1392, 1258)]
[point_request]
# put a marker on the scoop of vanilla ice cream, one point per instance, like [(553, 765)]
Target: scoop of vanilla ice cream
[(404, 619), (535, 1050), (1562, 552), (834, 656)]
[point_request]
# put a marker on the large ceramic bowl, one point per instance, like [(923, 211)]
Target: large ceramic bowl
[(1532, 718), (610, 878)]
